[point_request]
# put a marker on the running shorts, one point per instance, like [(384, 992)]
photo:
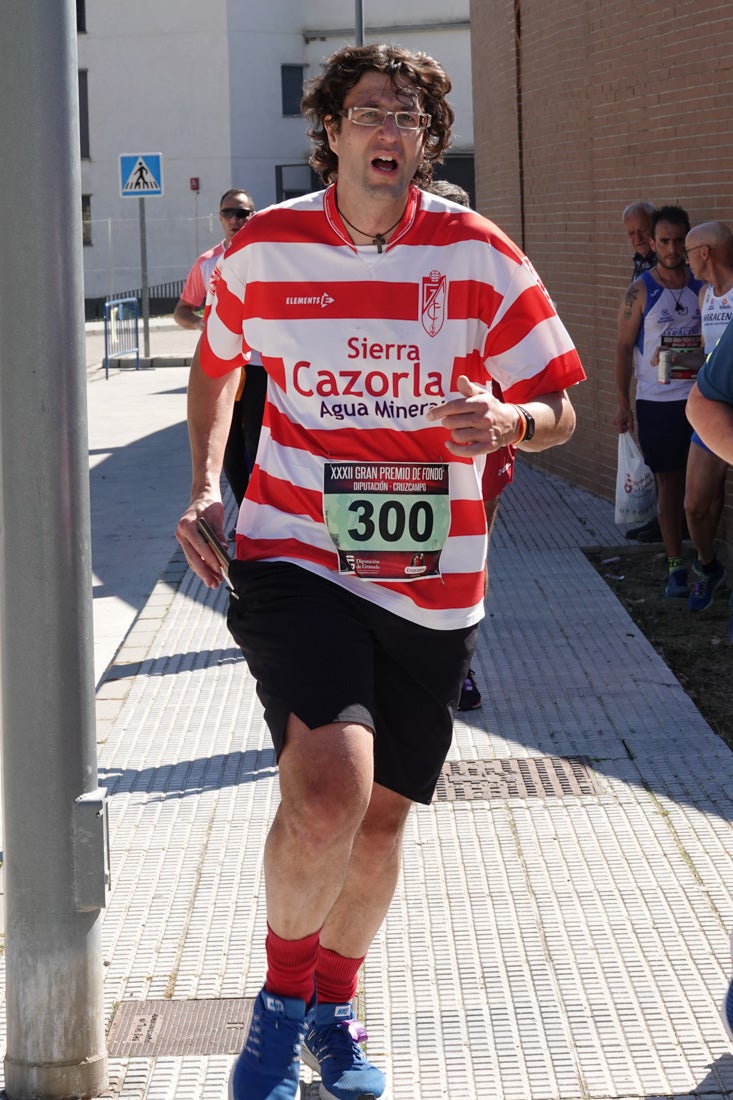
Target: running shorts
[(664, 434), (498, 472), (318, 651)]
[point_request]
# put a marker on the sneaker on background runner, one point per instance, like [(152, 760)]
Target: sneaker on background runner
[(704, 587), (332, 1047), (677, 583), (470, 695), (647, 532), (269, 1066)]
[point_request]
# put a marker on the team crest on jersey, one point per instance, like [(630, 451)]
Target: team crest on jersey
[(432, 303), (214, 280)]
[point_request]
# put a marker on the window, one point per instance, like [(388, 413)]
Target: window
[(291, 79), (86, 219), (292, 180), (81, 16), (84, 114)]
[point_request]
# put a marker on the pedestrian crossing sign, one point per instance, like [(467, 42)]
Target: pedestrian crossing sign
[(141, 175)]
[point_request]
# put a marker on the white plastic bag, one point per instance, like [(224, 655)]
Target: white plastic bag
[(636, 491)]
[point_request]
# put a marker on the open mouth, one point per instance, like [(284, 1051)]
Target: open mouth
[(385, 164)]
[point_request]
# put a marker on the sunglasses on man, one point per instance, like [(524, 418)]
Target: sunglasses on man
[(240, 212)]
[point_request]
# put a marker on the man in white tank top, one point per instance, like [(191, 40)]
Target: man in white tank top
[(710, 256), (661, 310)]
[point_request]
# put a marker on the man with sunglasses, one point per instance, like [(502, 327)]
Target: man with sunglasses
[(381, 312), (235, 208)]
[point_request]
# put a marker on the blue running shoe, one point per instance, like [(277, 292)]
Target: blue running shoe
[(677, 583), (331, 1046), (269, 1066), (704, 587)]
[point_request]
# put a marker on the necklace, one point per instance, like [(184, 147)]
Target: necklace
[(678, 307), (379, 238)]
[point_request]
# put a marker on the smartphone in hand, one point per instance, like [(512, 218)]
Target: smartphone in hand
[(207, 531)]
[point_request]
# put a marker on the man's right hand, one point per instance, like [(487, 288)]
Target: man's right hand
[(198, 554), (624, 419)]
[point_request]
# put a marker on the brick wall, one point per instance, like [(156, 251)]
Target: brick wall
[(618, 102)]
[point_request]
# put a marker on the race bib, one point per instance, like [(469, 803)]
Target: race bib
[(388, 521)]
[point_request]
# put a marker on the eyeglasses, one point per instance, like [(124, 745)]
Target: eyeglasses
[(376, 116), (689, 250), (229, 212)]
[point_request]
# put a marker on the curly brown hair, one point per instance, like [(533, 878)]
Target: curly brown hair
[(324, 96)]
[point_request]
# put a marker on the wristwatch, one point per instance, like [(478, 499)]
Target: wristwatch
[(529, 433)]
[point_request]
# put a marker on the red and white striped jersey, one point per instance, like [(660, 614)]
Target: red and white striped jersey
[(358, 345)]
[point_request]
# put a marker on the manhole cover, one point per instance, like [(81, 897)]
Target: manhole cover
[(149, 1029), (526, 777)]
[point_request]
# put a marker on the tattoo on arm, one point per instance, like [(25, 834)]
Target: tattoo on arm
[(629, 299)]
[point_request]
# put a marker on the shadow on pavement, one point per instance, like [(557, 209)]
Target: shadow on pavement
[(191, 777)]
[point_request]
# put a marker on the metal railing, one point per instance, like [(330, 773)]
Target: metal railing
[(162, 299), (121, 335)]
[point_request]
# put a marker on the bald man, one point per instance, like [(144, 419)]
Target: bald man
[(709, 249)]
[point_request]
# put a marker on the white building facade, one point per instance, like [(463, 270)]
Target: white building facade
[(214, 89)]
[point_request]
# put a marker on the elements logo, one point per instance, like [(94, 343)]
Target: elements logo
[(321, 300), (432, 305)]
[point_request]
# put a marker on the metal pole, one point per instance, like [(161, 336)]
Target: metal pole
[(359, 29), (144, 274), (110, 284), (196, 223), (54, 813)]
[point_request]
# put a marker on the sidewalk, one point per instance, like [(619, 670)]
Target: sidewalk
[(170, 345), (140, 474), (560, 930)]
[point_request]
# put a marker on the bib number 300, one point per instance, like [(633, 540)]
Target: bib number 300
[(391, 519), (388, 521)]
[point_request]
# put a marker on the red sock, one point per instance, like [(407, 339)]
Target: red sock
[(336, 977), (291, 965)]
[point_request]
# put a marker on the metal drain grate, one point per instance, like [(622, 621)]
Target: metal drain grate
[(526, 777), (149, 1029)]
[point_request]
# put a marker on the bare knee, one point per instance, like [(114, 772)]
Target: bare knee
[(383, 826), (695, 508), (326, 778)]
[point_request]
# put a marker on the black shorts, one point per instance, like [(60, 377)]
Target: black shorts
[(664, 434), (326, 655)]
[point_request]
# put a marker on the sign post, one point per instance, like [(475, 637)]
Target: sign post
[(195, 185), (141, 177)]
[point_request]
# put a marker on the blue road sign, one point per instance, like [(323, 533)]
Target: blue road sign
[(141, 175)]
